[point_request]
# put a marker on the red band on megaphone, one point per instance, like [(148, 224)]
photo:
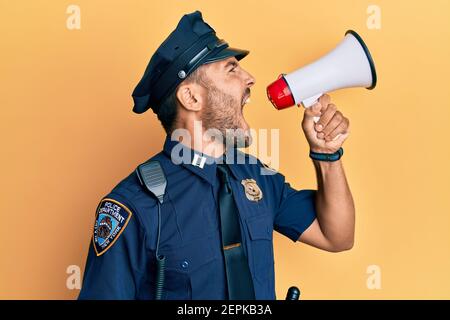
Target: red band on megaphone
[(279, 94)]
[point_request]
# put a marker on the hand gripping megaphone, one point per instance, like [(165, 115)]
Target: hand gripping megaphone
[(348, 65)]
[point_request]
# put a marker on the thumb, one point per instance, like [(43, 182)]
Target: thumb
[(308, 117)]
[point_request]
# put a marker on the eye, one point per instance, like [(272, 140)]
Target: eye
[(232, 69)]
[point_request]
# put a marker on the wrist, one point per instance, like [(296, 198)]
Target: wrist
[(323, 150), (326, 156), (327, 164), (320, 150)]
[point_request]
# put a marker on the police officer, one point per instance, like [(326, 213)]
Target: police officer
[(213, 223)]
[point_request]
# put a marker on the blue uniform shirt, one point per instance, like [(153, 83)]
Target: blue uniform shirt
[(121, 260)]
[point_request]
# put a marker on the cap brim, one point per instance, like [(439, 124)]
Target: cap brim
[(226, 53)]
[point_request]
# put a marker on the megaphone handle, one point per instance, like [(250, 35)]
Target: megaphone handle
[(310, 102)]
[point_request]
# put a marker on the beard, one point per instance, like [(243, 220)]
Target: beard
[(223, 115)]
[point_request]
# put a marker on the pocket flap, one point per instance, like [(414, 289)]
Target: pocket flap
[(260, 227)]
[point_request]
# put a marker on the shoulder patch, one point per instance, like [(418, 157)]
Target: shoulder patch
[(111, 220)]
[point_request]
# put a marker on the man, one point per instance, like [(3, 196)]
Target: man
[(215, 223)]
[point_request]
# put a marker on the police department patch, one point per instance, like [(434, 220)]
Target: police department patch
[(112, 218)]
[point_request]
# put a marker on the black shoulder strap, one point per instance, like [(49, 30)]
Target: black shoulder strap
[(152, 177)]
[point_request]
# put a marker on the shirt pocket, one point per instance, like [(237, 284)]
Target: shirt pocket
[(182, 264), (260, 229)]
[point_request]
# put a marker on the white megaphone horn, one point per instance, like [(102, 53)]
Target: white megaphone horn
[(348, 65)]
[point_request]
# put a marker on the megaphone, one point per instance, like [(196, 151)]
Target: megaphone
[(350, 64)]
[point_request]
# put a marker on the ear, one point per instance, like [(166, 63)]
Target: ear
[(190, 96)]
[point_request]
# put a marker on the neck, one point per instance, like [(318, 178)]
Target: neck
[(195, 138)]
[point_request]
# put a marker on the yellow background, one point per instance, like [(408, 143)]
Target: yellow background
[(69, 136)]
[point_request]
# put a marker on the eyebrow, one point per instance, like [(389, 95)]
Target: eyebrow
[(230, 63)]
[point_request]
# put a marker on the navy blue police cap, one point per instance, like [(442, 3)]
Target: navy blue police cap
[(192, 44)]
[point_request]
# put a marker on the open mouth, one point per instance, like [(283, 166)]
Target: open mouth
[(245, 100)]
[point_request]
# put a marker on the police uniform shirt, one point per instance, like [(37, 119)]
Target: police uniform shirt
[(121, 259)]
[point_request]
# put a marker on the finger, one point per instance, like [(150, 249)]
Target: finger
[(326, 117), (341, 138), (340, 129), (313, 111), (331, 126), (333, 123), (325, 100)]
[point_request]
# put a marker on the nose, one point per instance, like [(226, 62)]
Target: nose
[(249, 79)]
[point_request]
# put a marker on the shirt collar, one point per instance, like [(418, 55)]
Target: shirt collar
[(199, 163)]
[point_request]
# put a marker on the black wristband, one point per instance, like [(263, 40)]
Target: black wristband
[(328, 157)]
